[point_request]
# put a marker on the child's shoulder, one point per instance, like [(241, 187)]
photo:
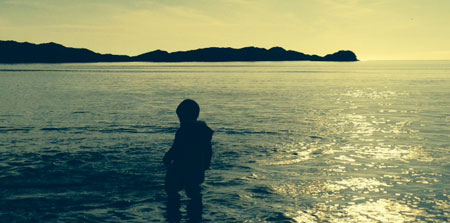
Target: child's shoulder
[(199, 127), (202, 124)]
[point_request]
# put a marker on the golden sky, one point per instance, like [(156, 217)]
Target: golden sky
[(373, 29)]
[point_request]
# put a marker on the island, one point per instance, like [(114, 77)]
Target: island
[(24, 52)]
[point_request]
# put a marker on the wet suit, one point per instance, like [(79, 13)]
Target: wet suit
[(186, 163)]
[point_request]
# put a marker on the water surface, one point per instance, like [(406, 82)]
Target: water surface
[(294, 141)]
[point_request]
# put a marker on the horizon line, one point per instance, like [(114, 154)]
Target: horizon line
[(159, 49), (223, 47)]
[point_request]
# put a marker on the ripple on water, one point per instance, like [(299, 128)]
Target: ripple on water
[(382, 151), (293, 153), (359, 183), (359, 142), (372, 93), (382, 210), (8, 129)]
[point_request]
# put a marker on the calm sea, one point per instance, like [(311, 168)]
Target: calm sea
[(294, 141)]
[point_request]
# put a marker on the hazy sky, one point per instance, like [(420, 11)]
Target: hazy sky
[(373, 29)]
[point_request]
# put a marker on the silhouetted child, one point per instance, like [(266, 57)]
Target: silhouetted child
[(187, 161)]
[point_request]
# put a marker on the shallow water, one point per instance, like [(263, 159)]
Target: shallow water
[(294, 141)]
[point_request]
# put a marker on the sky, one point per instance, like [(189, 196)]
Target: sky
[(373, 29)]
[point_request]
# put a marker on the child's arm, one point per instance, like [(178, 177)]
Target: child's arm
[(208, 155), (169, 156), (208, 148)]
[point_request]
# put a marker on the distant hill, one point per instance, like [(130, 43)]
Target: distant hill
[(16, 52)]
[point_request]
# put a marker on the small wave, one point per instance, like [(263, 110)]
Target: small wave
[(260, 190), (245, 132), (80, 112), (118, 130), (109, 130), (155, 129), (9, 115), (137, 130), (315, 137), (279, 217), (226, 183), (55, 129), (4, 129)]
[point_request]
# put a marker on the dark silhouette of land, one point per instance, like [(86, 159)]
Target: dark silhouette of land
[(17, 52)]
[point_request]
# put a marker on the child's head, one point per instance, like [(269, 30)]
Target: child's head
[(188, 110)]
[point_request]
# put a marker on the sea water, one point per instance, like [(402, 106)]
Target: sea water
[(294, 141)]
